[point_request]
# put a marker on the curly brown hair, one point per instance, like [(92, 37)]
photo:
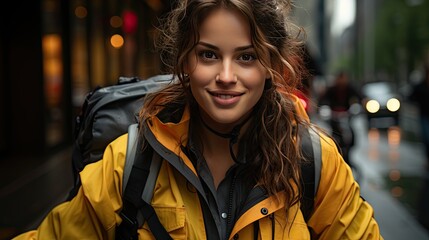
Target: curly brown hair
[(274, 154)]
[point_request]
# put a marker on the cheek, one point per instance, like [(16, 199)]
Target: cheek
[(198, 80), (259, 90), (199, 74), (256, 80), (198, 85)]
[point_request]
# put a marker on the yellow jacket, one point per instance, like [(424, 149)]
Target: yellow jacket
[(339, 211)]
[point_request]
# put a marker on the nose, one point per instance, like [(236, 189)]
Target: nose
[(227, 74)]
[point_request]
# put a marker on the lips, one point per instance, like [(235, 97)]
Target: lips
[(226, 98), (225, 95)]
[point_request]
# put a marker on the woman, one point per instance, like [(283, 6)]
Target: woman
[(230, 123)]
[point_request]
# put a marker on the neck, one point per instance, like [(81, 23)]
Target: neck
[(213, 144), (227, 131), (215, 140)]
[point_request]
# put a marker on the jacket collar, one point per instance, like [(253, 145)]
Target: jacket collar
[(170, 131)]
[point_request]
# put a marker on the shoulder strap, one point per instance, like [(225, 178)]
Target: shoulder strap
[(155, 165), (317, 153), (131, 153), (140, 173), (143, 168), (310, 169)]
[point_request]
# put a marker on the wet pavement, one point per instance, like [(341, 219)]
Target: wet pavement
[(30, 187), (393, 180)]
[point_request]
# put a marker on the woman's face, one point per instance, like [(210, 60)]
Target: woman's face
[(226, 78)]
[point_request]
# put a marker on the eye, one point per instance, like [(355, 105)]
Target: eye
[(207, 55), (247, 57)]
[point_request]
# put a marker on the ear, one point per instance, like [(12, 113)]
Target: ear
[(186, 67), (268, 83), (267, 74)]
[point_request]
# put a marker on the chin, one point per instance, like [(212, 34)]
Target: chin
[(226, 121), (227, 118)]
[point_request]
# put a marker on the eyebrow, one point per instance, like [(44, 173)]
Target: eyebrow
[(211, 46)]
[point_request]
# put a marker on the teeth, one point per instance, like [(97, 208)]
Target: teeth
[(225, 96)]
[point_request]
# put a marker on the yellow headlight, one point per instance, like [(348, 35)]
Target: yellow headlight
[(372, 106), (393, 104)]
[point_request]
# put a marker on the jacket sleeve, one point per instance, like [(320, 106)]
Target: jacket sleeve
[(340, 212), (93, 212)]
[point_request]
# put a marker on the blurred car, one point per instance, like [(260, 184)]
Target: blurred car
[(382, 104)]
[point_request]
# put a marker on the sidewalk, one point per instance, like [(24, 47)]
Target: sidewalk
[(381, 158), (30, 188)]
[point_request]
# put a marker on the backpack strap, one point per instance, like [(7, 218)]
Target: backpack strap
[(133, 133), (317, 153), (310, 169), (140, 173)]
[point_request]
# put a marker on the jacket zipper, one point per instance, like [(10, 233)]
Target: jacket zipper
[(229, 212), (273, 226)]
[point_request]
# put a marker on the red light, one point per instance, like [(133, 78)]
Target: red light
[(302, 98), (304, 103), (130, 21)]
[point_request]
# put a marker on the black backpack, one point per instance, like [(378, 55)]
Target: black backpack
[(106, 114), (109, 112)]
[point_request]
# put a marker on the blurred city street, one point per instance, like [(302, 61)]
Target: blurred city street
[(393, 178), (384, 163), (29, 188), (387, 162)]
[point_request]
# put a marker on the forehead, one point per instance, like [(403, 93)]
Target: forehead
[(225, 25)]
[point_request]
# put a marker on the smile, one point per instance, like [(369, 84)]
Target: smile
[(223, 96), (226, 98)]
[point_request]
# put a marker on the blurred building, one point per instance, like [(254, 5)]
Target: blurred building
[(311, 16), (53, 52)]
